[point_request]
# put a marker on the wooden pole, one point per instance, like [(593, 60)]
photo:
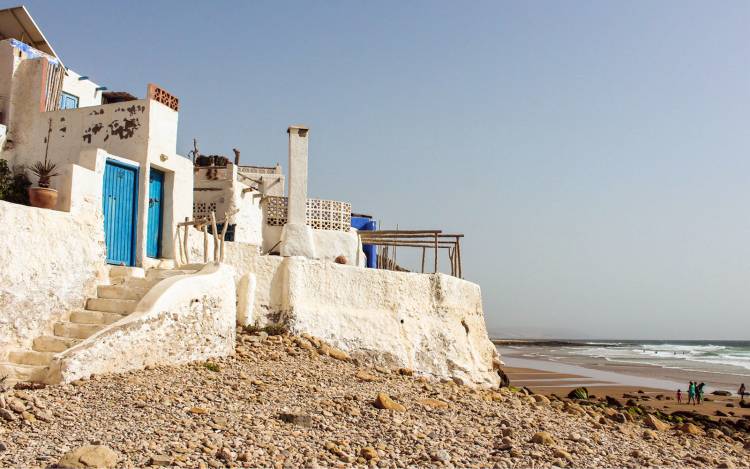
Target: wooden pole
[(423, 254), (436, 252), (458, 250), (178, 249), (205, 244), (223, 236), (216, 237), (185, 245)]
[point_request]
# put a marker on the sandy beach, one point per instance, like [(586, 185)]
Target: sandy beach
[(652, 386)]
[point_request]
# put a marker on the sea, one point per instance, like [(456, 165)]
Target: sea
[(723, 362)]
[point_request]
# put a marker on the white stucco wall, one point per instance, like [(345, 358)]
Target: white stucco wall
[(84, 89), (328, 244), (182, 319), (50, 262)]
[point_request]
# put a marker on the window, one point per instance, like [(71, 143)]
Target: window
[(68, 101)]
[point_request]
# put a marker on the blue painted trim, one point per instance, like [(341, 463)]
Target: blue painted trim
[(156, 177)]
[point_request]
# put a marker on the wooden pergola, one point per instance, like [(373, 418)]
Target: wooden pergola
[(433, 240)]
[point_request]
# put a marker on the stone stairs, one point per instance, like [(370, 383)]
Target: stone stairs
[(113, 302)]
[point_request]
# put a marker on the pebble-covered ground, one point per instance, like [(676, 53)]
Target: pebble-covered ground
[(280, 403)]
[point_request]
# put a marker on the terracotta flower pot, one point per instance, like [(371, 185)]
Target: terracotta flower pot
[(42, 197)]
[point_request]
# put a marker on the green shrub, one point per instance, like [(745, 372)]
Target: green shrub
[(14, 184), (212, 366)]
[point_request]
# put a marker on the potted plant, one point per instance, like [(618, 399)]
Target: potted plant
[(42, 196)]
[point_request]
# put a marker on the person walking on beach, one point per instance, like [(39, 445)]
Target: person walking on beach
[(741, 391), (691, 392), (679, 396), (699, 393)]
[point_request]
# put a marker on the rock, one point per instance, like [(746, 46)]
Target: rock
[(562, 454), (16, 405), (539, 399), (433, 403), (338, 354), (362, 375), (653, 422), (198, 410), (97, 456), (613, 402), (579, 393), (383, 401), (7, 415), (649, 434), (369, 453), (691, 429), (719, 392), (726, 465), (441, 456), (719, 413), (302, 420), (543, 438), (160, 460), (406, 372)]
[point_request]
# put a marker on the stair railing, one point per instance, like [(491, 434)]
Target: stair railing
[(201, 224)]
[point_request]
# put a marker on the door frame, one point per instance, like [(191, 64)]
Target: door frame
[(134, 230), (160, 228)]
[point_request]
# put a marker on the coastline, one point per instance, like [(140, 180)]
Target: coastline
[(544, 375)]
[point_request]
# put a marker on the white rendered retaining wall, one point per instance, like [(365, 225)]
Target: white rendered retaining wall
[(49, 264)]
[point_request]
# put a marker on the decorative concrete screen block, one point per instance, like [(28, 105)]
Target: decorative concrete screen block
[(159, 94), (204, 209), (320, 214), (183, 318)]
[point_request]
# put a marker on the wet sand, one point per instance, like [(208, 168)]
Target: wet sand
[(549, 377)]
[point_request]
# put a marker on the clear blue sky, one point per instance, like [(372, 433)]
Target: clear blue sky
[(595, 154)]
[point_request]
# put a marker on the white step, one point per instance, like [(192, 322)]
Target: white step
[(77, 331), (94, 317), (118, 271), (162, 273), (17, 373), (30, 357), (111, 305), (119, 292), (51, 343)]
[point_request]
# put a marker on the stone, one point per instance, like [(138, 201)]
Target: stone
[(691, 429), (369, 453), (433, 403), (613, 402), (726, 465), (562, 454), (160, 460), (406, 372), (543, 438), (198, 410), (441, 456), (7, 415), (383, 401), (653, 422), (89, 456), (362, 375), (302, 420), (649, 434), (540, 399), (338, 354), (720, 392)]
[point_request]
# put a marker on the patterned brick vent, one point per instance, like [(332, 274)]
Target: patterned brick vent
[(159, 94), (320, 214), (204, 209)]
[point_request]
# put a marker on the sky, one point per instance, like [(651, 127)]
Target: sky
[(596, 155)]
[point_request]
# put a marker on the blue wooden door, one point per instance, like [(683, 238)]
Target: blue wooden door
[(120, 204), (155, 196)]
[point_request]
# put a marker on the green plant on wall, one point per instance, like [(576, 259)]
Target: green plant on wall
[(14, 184)]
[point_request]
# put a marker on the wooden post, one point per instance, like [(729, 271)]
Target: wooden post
[(223, 236), (205, 244), (458, 252), (424, 250), (185, 245), (436, 252), (216, 237), (178, 255), (450, 258)]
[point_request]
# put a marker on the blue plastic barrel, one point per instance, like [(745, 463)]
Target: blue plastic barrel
[(366, 223)]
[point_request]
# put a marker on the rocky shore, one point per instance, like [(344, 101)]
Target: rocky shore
[(285, 401)]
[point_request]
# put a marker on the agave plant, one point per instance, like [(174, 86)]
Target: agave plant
[(44, 170)]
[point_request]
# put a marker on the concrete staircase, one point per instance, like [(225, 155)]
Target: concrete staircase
[(113, 302)]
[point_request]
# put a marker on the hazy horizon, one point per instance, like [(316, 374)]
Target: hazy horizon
[(595, 154)]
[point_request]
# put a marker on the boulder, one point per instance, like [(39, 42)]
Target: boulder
[(543, 438), (362, 375), (653, 422), (384, 401), (89, 456), (369, 453), (433, 403), (719, 392), (691, 429), (613, 402), (539, 399), (302, 420)]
